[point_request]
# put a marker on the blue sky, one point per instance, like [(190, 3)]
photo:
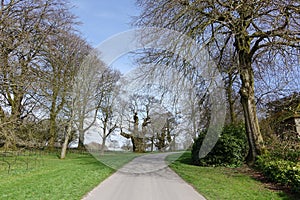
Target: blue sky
[(103, 18)]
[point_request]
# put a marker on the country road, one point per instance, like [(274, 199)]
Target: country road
[(145, 178)]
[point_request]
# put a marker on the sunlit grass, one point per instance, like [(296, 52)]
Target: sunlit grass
[(217, 183), (52, 178)]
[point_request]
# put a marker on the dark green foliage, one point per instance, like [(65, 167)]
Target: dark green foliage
[(230, 149), (281, 171)]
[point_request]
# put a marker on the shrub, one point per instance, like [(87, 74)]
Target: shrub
[(281, 171), (277, 143), (230, 150)]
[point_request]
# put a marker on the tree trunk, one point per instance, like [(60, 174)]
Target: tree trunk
[(137, 139), (137, 136), (52, 131), (254, 136), (255, 140), (68, 135), (230, 98), (66, 142), (81, 139), (10, 140), (16, 105), (104, 137), (103, 145), (152, 143), (138, 146), (137, 142)]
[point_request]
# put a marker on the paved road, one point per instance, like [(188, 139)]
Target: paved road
[(145, 178)]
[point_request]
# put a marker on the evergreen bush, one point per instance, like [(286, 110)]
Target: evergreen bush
[(230, 150)]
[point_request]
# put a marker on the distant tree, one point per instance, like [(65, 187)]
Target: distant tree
[(136, 137), (139, 106), (106, 111), (163, 137), (89, 82)]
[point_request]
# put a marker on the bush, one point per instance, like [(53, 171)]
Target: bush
[(278, 145), (281, 171), (230, 150)]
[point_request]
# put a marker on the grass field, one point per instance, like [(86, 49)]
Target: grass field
[(47, 177), (221, 183), (52, 178)]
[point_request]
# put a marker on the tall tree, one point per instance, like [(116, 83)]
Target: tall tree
[(26, 26), (106, 111), (63, 58), (89, 89), (255, 29)]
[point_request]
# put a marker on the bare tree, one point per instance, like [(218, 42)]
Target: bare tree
[(152, 101), (89, 82), (255, 30), (106, 111), (63, 56), (164, 124), (26, 26), (135, 133), (151, 124), (137, 106), (68, 125)]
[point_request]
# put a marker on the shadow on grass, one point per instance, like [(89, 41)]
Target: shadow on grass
[(285, 194), (185, 158)]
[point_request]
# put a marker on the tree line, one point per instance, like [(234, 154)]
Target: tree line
[(42, 73), (54, 87)]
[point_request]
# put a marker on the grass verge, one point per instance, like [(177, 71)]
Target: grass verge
[(219, 183), (56, 179)]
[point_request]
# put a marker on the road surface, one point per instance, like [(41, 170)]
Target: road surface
[(145, 178)]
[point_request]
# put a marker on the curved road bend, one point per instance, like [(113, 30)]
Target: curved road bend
[(145, 178)]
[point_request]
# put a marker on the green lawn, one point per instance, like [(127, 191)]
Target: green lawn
[(221, 183), (51, 178)]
